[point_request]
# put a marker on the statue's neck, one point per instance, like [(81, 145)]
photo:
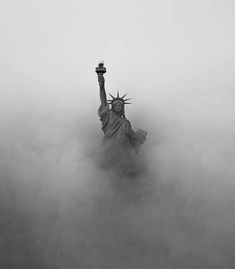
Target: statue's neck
[(118, 114)]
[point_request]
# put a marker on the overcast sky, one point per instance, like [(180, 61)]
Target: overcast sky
[(152, 50), (176, 59)]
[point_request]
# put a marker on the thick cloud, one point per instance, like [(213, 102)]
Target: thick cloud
[(60, 208)]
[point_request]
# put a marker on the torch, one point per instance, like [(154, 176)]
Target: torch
[(100, 70)]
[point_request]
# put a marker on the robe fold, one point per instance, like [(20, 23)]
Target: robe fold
[(117, 130), (120, 143)]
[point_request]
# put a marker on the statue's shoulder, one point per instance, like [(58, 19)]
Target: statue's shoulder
[(126, 121), (103, 110)]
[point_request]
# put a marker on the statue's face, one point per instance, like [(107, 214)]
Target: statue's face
[(117, 107)]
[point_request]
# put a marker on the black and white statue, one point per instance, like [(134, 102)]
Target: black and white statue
[(119, 136)]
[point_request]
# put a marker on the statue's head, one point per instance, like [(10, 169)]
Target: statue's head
[(118, 104)]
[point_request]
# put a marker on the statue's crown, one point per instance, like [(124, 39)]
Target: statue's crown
[(118, 99)]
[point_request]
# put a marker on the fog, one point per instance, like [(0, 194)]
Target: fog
[(59, 207)]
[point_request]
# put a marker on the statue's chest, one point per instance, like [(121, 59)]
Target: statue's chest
[(116, 122)]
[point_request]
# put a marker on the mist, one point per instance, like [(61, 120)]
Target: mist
[(60, 208)]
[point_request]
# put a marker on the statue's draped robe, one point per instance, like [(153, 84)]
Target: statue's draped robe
[(116, 129), (118, 133), (120, 142)]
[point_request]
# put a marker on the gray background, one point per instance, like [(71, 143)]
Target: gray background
[(59, 209)]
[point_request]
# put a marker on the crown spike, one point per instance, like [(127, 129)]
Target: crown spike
[(119, 98)]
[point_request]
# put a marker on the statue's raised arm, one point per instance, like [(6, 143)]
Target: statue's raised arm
[(100, 70)]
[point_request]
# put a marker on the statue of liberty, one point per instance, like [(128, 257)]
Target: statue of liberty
[(120, 141)]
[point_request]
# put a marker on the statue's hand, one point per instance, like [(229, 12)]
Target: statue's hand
[(101, 79), (140, 136)]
